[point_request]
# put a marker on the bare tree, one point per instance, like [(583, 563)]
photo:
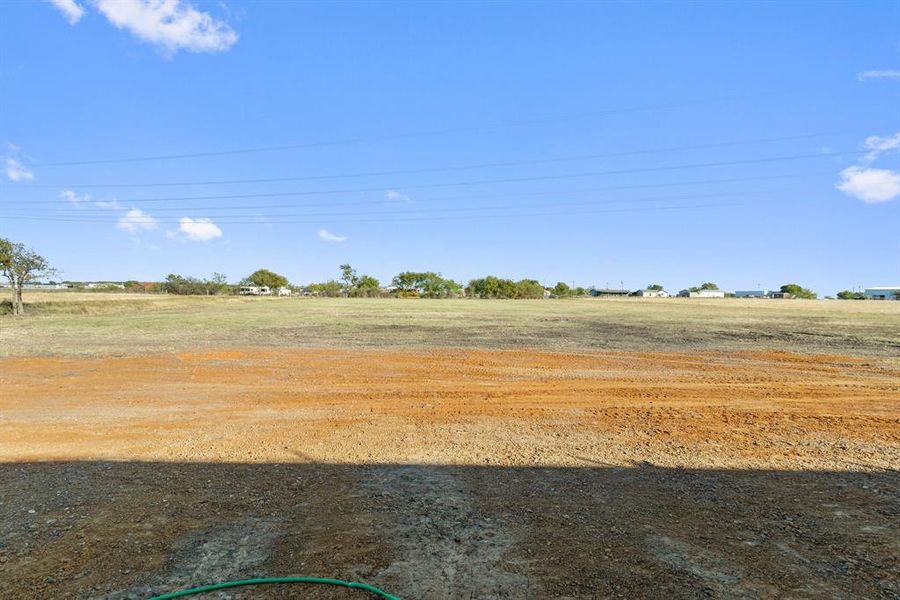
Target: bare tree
[(20, 264)]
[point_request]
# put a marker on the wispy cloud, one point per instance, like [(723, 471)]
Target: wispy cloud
[(197, 230), (877, 145), (879, 74), (327, 236), (71, 196), (872, 186), (170, 25), (70, 9), (13, 167), (397, 196), (135, 220), (108, 204), (16, 171), (85, 199)]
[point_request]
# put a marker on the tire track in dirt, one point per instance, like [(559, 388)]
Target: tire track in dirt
[(230, 551), (447, 549)]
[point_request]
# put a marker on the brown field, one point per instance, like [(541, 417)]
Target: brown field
[(483, 450)]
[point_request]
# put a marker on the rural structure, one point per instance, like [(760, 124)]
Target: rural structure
[(883, 292), (701, 294)]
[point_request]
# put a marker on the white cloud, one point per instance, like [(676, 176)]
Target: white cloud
[(876, 145), (198, 230), (16, 171), (71, 196), (397, 196), (109, 204), (327, 236), (870, 185), (883, 74), (171, 24), (71, 10), (135, 220)]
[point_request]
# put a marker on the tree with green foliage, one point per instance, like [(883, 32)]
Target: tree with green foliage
[(348, 277), (217, 284), (850, 295), (562, 290), (704, 286), (529, 289), (657, 287), (358, 286), (183, 286), (21, 265), (366, 286), (491, 287), (425, 285), (797, 291), (329, 289), (266, 278), (495, 287)]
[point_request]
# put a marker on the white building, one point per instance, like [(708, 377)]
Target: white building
[(701, 294), (651, 294), (255, 290), (884, 292), (284, 291)]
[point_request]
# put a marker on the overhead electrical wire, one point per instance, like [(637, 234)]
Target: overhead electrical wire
[(487, 165), (257, 220), (382, 188), (402, 136), (114, 217)]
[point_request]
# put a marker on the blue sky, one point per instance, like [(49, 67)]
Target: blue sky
[(596, 143)]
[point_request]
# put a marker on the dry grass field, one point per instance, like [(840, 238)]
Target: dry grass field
[(65, 323), (451, 449)]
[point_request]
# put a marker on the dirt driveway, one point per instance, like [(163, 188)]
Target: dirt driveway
[(452, 474)]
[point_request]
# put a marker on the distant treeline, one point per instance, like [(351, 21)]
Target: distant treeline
[(409, 284)]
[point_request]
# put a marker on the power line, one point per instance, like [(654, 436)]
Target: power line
[(475, 182), (113, 218), (431, 133), (341, 203), (442, 218), (487, 165)]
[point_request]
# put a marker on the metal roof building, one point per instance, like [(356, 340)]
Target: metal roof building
[(885, 292)]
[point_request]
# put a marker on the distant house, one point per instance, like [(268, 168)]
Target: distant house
[(753, 294), (650, 294), (284, 291), (255, 290), (609, 293), (44, 286), (886, 292), (96, 285), (701, 294)]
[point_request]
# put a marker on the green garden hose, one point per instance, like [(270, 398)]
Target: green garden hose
[(263, 580)]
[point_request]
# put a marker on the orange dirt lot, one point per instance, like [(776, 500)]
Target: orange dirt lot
[(452, 473)]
